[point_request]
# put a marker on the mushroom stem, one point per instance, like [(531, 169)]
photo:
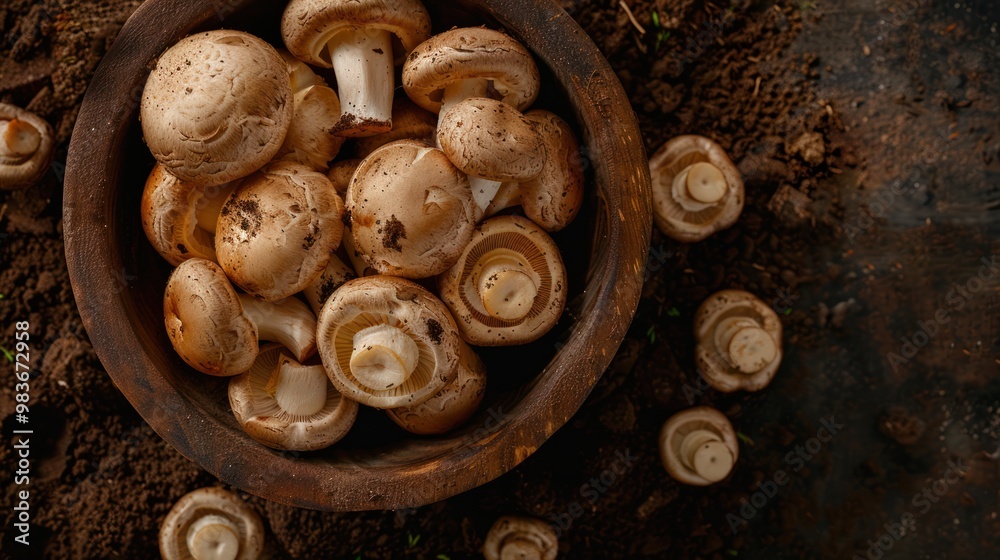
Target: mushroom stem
[(363, 62), (508, 196), (213, 537), (287, 321), (20, 139), (747, 346), (483, 191), (383, 357), (460, 90), (706, 183), (520, 549), (299, 390), (703, 452), (210, 205), (505, 286)]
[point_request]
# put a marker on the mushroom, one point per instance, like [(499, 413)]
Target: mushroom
[(286, 405), (317, 110), (216, 331), (216, 107), (179, 217), (491, 141), (739, 341), (553, 198), (26, 147), (277, 230), (452, 405), (336, 275), (509, 285), (386, 342), (698, 446), (340, 174), (211, 524), (411, 211), (355, 38), (409, 122), (514, 537), (697, 190)]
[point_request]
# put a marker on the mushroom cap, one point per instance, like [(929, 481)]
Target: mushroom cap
[(334, 276), (409, 122), (679, 215), (277, 230), (210, 502), (516, 534), (492, 140), (340, 174), (309, 140), (26, 147), (386, 300), (205, 320), (411, 211), (252, 396), (695, 422), (308, 25), (217, 106), (300, 75), (170, 217), (452, 405), (730, 361), (471, 53), (553, 198), (542, 264)]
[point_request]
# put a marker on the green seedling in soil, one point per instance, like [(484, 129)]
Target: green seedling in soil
[(673, 312), (412, 540), (1, 296), (7, 354), (788, 311), (662, 35), (744, 438), (732, 552), (442, 557), (651, 334)]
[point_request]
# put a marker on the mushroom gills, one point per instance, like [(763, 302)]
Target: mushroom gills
[(213, 537), (363, 63), (505, 285), (20, 139), (383, 357), (744, 344), (288, 322), (299, 390)]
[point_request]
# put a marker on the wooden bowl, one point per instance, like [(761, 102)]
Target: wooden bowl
[(118, 279)]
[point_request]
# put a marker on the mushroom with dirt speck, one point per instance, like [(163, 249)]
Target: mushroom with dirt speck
[(317, 111), (739, 341), (211, 524), (514, 537), (409, 122), (336, 275), (698, 446), (451, 406), (27, 146)]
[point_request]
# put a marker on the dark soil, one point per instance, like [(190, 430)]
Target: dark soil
[(867, 132)]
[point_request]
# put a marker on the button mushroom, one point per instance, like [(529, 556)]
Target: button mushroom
[(317, 110), (697, 190), (340, 174), (355, 39), (211, 524), (336, 275), (216, 107), (26, 147), (451, 406), (411, 211), (698, 446), (277, 230), (387, 342), (409, 122), (179, 217), (216, 331), (286, 405), (553, 198), (514, 537), (739, 341), (509, 285)]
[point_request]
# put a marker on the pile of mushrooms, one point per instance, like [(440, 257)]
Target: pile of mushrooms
[(339, 246)]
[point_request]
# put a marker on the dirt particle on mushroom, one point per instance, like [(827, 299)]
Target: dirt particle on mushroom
[(250, 217), (434, 330), (392, 233)]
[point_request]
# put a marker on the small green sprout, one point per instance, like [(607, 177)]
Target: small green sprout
[(651, 334), (656, 18), (744, 438), (673, 312), (412, 540), (788, 311), (442, 557), (732, 552), (10, 357)]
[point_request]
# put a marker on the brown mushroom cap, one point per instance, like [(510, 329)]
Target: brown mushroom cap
[(698, 446), (26, 147), (387, 342), (286, 405), (336, 275), (211, 524), (513, 537), (739, 341), (697, 190), (509, 285), (451, 406), (409, 122), (477, 54), (277, 230), (309, 141), (217, 106), (341, 172), (553, 198), (411, 211)]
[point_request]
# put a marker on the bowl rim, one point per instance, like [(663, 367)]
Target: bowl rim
[(613, 141)]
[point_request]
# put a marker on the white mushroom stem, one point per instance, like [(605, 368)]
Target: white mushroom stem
[(299, 390), (515, 548), (383, 357), (19, 138), (363, 62), (748, 347), (460, 90), (213, 537), (508, 196), (210, 204), (287, 321), (699, 186), (704, 452), (505, 286)]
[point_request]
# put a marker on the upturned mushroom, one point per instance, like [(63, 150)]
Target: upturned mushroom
[(355, 38), (216, 331), (698, 446), (452, 406), (317, 110), (277, 230), (553, 198), (216, 107), (179, 217), (336, 275), (211, 524), (739, 341), (515, 537), (409, 122), (387, 342), (26, 147), (697, 190), (509, 285), (411, 211), (286, 405)]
